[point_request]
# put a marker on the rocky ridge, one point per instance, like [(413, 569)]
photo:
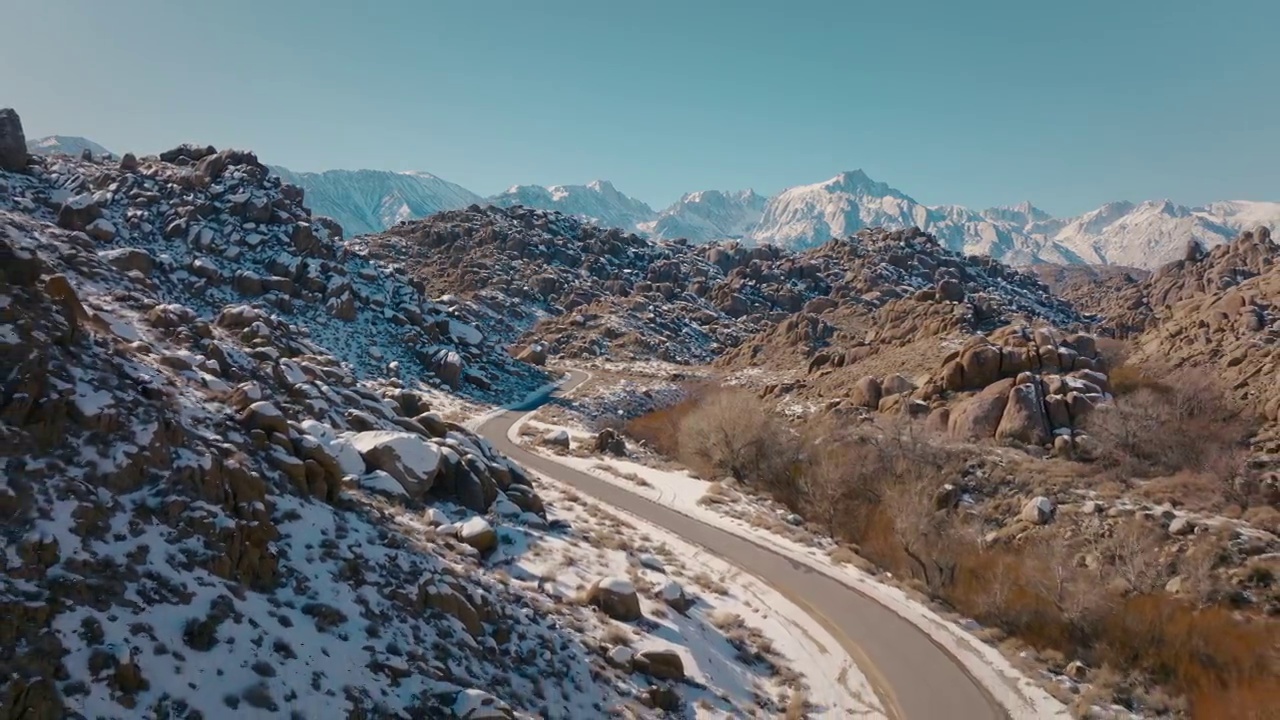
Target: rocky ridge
[(217, 452), (578, 291)]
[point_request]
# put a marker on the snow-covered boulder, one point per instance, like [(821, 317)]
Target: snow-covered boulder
[(616, 597), (407, 457), (479, 534), (674, 596), (557, 438)]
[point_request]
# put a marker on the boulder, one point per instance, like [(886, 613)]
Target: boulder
[(1058, 412), (535, 354), (13, 142), (407, 457), (1024, 418), (1039, 510), (663, 698), (448, 367), (479, 534), (867, 393), (660, 664), (609, 442), (615, 597), (674, 596), (129, 162), (78, 213), (444, 599), (556, 438), (129, 259), (978, 417), (264, 416), (1182, 525), (980, 366), (101, 230), (18, 266), (895, 384), (949, 290)]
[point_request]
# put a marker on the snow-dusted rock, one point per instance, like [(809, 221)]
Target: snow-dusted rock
[(616, 597), (479, 534), (407, 457), (556, 438)]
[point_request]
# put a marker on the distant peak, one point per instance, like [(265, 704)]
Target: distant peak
[(852, 178)]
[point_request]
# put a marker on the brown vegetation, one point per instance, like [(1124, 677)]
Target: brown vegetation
[(887, 490), (1182, 422)]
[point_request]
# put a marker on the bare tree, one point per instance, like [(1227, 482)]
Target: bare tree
[(1051, 571), (1131, 553)]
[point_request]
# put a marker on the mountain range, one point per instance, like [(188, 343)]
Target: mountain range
[(1144, 235)]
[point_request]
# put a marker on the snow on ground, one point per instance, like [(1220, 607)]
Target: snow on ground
[(1021, 696), (742, 640)]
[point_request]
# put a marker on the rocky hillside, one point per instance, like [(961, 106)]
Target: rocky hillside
[(588, 290), (577, 290), (225, 484), (1212, 310)]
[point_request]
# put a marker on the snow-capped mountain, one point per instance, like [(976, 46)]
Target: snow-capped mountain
[(708, 215), (1146, 235), (598, 201), (64, 145), (1243, 215), (367, 201), (810, 215), (1143, 235)]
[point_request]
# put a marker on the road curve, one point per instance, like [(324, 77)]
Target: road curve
[(915, 678)]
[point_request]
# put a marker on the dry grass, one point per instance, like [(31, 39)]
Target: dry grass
[(1265, 517), (615, 634), (704, 581)]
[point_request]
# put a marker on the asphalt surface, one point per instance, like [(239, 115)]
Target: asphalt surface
[(914, 677)]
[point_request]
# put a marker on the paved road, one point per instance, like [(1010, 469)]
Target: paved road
[(916, 680)]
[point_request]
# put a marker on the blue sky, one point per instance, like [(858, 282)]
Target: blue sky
[(979, 103)]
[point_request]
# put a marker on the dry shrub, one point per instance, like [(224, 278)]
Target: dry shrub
[(1128, 379), (1111, 613), (1188, 423), (732, 433), (848, 475), (1196, 491), (1212, 656), (660, 429), (1265, 517)]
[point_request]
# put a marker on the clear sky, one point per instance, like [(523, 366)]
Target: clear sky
[(976, 102)]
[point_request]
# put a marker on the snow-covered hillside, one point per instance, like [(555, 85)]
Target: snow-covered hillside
[(708, 215), (367, 201), (65, 145), (598, 201)]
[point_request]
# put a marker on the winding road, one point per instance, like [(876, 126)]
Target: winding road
[(914, 677)]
